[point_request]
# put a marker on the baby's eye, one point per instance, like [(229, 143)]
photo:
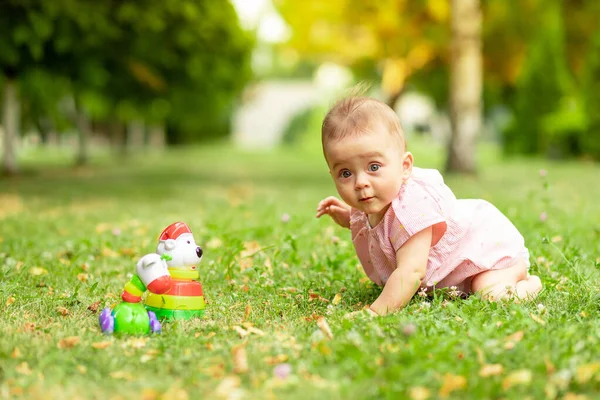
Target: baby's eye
[(345, 173), (374, 167)]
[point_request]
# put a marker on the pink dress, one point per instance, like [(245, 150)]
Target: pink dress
[(469, 236)]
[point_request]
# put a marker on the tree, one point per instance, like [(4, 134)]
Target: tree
[(465, 85)]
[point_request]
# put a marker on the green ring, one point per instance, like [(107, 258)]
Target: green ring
[(162, 313)]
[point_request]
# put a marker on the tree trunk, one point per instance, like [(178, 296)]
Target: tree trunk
[(465, 85), (135, 136), (10, 121), (157, 136), (84, 133)]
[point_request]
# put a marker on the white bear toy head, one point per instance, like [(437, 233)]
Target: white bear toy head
[(177, 246)]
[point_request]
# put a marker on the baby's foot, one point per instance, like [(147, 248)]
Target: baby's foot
[(529, 287)]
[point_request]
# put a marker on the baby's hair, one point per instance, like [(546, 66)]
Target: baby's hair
[(357, 114)]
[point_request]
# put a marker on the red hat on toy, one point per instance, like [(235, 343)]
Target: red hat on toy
[(174, 230)]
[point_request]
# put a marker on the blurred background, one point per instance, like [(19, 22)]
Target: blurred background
[(125, 77)]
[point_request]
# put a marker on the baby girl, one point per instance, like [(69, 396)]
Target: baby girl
[(408, 229)]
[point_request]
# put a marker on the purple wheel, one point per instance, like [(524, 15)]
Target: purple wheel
[(155, 326), (107, 321)]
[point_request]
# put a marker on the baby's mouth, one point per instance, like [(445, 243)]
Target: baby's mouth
[(366, 199)]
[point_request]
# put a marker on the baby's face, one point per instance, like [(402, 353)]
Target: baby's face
[(368, 170)]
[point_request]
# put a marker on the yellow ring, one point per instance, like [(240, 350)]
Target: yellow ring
[(132, 289)]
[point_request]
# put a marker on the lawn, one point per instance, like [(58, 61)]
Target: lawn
[(69, 240)]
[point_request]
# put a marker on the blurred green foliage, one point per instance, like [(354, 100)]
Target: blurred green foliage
[(181, 63)]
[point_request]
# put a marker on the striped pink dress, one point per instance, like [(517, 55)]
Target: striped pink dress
[(469, 236)]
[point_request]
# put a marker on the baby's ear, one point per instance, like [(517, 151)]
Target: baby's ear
[(407, 164)]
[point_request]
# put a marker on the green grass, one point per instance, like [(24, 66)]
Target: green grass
[(70, 238)]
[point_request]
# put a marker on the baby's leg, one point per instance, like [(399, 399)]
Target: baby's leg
[(507, 283)]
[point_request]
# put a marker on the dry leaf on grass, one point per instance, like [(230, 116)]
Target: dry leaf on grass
[(10, 300), (247, 311), (94, 306), (451, 383), (63, 311), (537, 319), (586, 372), (336, 299), (101, 345), (240, 359), (419, 393), (241, 331), (37, 271), (491, 370), (16, 353), (278, 359), (520, 377), (23, 368), (69, 342), (122, 375), (324, 327)]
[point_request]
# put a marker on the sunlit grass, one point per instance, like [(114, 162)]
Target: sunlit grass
[(70, 237)]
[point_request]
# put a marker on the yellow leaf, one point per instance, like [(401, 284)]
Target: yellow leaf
[(278, 359), (419, 393), (240, 359), (37, 271), (23, 368), (122, 375), (520, 377), (82, 277), (515, 337), (537, 319), (101, 345), (256, 331), (247, 311), (16, 353), (241, 331), (324, 327), (337, 298), (63, 311), (136, 343), (68, 342), (490, 370), (586, 372), (451, 383), (10, 300)]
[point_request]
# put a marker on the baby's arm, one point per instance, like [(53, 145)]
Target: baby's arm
[(403, 283)]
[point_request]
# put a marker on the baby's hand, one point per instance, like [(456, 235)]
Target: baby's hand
[(336, 209)]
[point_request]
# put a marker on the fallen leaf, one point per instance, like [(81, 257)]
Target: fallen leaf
[(419, 393), (537, 319), (37, 271), (256, 331), (240, 359), (491, 370), (94, 306), (83, 277), (10, 300), (336, 299), (520, 377), (136, 343), (122, 375), (278, 359), (16, 353), (585, 372), (63, 311), (324, 327), (101, 345), (23, 368), (68, 342), (229, 388), (451, 383), (241, 331), (247, 311)]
